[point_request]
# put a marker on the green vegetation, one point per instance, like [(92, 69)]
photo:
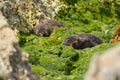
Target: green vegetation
[(54, 61)]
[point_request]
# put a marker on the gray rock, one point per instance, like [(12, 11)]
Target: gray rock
[(24, 15), (13, 62), (105, 66)]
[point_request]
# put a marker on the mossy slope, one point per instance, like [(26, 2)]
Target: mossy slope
[(54, 61)]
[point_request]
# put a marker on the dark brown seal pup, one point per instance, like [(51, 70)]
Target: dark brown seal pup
[(46, 27), (82, 41)]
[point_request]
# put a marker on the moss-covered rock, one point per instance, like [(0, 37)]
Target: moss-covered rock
[(24, 15)]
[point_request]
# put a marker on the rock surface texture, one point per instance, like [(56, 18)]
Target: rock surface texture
[(105, 66), (24, 15), (13, 62)]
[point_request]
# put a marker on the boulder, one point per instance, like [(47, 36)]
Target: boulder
[(105, 66), (24, 15), (14, 63)]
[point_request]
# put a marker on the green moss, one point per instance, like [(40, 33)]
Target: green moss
[(54, 61)]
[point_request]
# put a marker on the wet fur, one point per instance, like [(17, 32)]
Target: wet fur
[(82, 41), (46, 27)]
